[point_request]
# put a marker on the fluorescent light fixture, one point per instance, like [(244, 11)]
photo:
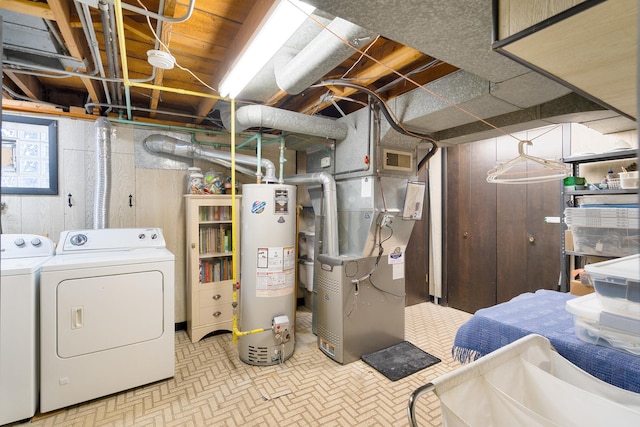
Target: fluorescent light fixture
[(285, 19)]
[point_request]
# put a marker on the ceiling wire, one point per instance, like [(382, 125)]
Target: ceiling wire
[(169, 51), (361, 56), (344, 75), (546, 132), (407, 78)]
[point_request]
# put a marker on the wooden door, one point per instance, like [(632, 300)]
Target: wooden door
[(543, 239), (523, 254), (511, 230), (122, 204), (528, 247), (74, 190), (470, 219), (417, 256)]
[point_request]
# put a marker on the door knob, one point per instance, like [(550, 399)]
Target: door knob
[(465, 234), (532, 239)]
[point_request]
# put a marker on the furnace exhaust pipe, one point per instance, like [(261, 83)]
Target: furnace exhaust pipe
[(331, 242)]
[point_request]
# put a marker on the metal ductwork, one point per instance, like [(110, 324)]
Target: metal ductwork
[(330, 237), (107, 16), (102, 192), (169, 145), (325, 52), (261, 116)]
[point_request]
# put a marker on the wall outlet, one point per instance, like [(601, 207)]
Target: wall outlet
[(325, 162)]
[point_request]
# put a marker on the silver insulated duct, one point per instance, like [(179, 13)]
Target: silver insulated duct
[(330, 237), (102, 192), (169, 145), (324, 53), (261, 116)]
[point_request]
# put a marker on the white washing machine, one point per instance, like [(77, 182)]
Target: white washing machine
[(21, 256), (107, 314)]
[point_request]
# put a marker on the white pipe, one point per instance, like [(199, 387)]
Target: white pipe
[(323, 53), (331, 242), (102, 192), (169, 145)]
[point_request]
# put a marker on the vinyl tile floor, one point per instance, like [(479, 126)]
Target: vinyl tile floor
[(212, 387)]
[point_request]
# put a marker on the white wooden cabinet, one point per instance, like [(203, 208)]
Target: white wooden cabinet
[(209, 277)]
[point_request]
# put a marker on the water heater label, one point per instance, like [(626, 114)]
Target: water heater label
[(258, 207), (275, 275), (281, 200)]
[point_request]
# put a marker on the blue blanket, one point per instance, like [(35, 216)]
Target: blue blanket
[(544, 313)]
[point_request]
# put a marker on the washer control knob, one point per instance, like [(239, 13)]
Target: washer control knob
[(154, 236), (36, 242), (141, 236), (78, 239), (19, 242)]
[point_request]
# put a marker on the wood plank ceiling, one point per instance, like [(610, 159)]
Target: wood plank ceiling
[(207, 43)]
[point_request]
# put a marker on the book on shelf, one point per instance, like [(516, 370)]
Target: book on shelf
[(214, 240), (215, 270), (215, 213)]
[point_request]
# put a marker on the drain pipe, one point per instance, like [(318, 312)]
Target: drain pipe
[(262, 116), (330, 206), (102, 192), (169, 145)]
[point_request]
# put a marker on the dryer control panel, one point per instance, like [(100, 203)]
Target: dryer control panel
[(110, 239)]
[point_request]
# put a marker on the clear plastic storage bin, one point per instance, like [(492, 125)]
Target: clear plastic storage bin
[(613, 242), (617, 284), (595, 326)]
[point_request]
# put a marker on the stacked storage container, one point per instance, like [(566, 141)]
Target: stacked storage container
[(605, 231), (611, 316)]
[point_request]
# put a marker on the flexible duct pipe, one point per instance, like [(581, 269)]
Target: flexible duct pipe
[(176, 147), (251, 116), (331, 243), (102, 192), (323, 53)]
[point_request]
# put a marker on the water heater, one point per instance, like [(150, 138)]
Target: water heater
[(267, 274)]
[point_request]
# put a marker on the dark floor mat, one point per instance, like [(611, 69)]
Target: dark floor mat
[(400, 360)]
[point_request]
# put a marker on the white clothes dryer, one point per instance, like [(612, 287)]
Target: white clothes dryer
[(107, 314), (21, 256)]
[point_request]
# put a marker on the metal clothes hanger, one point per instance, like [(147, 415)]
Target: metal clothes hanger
[(550, 171)]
